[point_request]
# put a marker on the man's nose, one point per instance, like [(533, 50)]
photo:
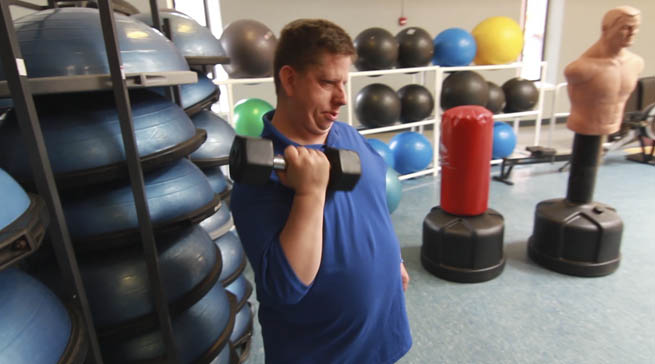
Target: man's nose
[(339, 96)]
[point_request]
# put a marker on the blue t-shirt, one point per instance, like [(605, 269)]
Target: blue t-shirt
[(354, 311)]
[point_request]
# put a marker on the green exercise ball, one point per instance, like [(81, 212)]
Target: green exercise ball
[(248, 116)]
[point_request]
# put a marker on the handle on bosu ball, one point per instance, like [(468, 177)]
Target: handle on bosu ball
[(462, 238)]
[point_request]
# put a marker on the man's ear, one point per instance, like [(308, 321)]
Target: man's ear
[(287, 79)]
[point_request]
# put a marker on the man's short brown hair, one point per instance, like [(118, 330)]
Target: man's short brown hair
[(302, 42)]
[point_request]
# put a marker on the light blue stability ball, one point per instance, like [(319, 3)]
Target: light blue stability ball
[(14, 200), (35, 326), (69, 41), (454, 47)]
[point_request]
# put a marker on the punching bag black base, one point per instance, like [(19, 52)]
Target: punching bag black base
[(466, 249), (576, 239)]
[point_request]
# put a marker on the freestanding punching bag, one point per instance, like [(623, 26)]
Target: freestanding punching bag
[(575, 235), (462, 238)]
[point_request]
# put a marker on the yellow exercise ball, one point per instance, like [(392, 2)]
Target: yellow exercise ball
[(499, 40)]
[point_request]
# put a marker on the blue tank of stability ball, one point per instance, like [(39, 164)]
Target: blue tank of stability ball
[(233, 257), (117, 283), (173, 193), (191, 38), (220, 135), (82, 132), (241, 289), (200, 333), (219, 223), (14, 200), (217, 179), (194, 93), (6, 103), (34, 326), (69, 42), (242, 326)]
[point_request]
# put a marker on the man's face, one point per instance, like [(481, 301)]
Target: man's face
[(319, 92), (623, 32)]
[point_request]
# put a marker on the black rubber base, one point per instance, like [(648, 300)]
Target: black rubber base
[(466, 249), (23, 236), (576, 239)]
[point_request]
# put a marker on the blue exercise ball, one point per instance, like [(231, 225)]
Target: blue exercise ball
[(191, 38), (383, 150), (197, 95), (175, 192), (83, 135), (220, 135), (504, 140), (412, 152), (35, 327), (117, 282), (454, 47), (219, 223), (241, 289), (199, 331), (234, 259), (394, 189), (69, 42)]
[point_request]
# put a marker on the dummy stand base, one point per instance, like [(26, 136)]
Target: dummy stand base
[(465, 249), (576, 239)]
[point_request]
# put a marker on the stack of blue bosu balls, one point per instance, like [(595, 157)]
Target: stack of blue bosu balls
[(35, 326), (187, 207), (211, 157)]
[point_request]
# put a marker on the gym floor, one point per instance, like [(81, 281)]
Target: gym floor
[(530, 314)]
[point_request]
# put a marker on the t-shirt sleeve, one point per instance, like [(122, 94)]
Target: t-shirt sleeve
[(260, 213)]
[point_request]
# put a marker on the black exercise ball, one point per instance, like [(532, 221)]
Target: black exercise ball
[(521, 95), (377, 49), (416, 103), (496, 100), (251, 47), (464, 88), (377, 105), (415, 48)]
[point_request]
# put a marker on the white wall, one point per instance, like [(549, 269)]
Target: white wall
[(356, 15), (580, 26)]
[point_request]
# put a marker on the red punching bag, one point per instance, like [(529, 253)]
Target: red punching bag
[(465, 149)]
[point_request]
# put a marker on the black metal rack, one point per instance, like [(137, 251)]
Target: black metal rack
[(20, 89)]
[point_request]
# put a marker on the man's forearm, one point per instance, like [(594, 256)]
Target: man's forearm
[(302, 236)]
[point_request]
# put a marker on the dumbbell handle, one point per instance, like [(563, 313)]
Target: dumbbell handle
[(279, 163)]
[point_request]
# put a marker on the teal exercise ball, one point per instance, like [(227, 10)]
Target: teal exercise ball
[(394, 189)]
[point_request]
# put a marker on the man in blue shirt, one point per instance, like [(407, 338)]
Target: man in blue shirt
[(327, 264)]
